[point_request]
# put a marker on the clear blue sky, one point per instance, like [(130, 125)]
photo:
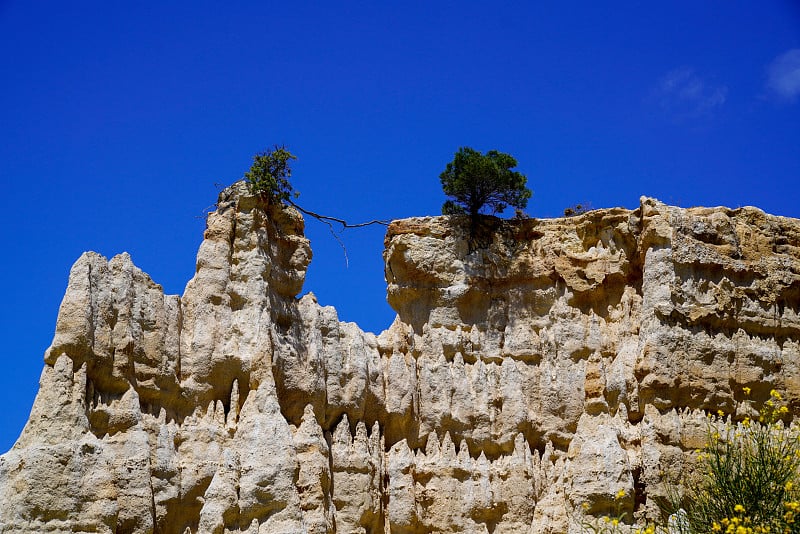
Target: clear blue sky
[(116, 126)]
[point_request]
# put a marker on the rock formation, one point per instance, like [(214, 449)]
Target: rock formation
[(534, 368)]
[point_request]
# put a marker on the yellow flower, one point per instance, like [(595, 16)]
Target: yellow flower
[(716, 527), (774, 394), (788, 486), (615, 521), (720, 413), (783, 409), (739, 509), (746, 390), (620, 494)]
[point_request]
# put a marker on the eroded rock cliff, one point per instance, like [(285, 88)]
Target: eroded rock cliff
[(534, 367)]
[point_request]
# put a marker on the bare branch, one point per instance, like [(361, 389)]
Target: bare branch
[(330, 220), (327, 220), (336, 237), (206, 211)]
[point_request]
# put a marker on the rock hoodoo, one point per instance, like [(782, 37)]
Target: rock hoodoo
[(549, 366)]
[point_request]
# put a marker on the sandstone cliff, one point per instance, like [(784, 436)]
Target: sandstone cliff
[(538, 366)]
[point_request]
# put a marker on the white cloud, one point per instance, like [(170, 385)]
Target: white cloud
[(783, 75), (685, 95)]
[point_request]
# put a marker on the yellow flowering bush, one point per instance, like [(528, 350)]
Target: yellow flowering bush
[(607, 524), (748, 478), (616, 524), (747, 482)]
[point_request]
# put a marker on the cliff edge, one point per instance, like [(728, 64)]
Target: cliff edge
[(534, 369)]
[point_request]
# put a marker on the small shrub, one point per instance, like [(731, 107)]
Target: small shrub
[(606, 524), (616, 524), (269, 175), (577, 209), (747, 481)]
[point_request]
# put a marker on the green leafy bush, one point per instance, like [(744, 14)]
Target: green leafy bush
[(269, 175), (482, 182)]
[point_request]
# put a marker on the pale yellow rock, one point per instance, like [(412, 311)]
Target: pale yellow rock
[(314, 479), (533, 367)]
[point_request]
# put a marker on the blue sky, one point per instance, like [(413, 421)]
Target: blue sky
[(119, 125)]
